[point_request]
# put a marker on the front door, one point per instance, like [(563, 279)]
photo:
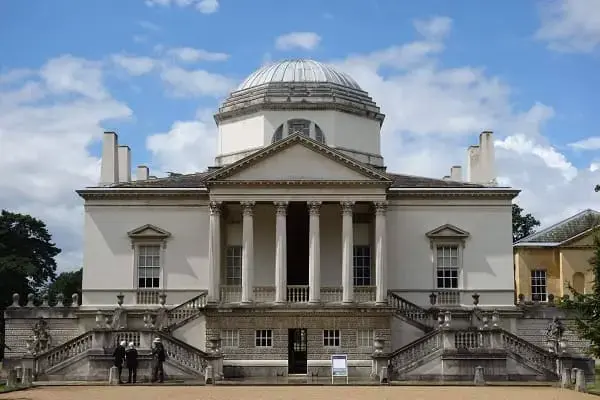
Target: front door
[(297, 354)]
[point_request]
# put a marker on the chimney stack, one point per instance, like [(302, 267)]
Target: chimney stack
[(473, 164), (456, 173), (109, 169), (481, 160), (142, 173), (124, 157)]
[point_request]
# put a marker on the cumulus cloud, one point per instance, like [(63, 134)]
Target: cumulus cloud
[(570, 25), (190, 54), (193, 83), (204, 6), (48, 120), (134, 65), (591, 143), (298, 40)]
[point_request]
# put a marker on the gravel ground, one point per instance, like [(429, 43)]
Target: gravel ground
[(293, 393)]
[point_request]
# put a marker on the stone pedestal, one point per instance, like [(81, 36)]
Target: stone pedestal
[(209, 375), (11, 380), (383, 376), (580, 385), (27, 378), (379, 362), (113, 376), (565, 378), (479, 379)]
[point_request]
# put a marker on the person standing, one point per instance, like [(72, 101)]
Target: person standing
[(119, 357), (158, 358), (131, 361)]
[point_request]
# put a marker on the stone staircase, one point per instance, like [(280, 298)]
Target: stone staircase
[(186, 312), (413, 314)]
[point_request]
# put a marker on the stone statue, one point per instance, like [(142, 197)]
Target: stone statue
[(118, 319), (41, 340), (555, 329), (162, 319)]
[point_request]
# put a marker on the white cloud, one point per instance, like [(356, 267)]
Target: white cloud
[(591, 143), (185, 83), (570, 25), (188, 146), (204, 6), (134, 65), (190, 54), (46, 127), (298, 40)]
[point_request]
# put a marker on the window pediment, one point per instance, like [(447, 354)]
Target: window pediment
[(148, 232), (447, 233)]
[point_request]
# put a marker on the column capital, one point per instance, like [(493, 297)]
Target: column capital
[(248, 208), (380, 207), (347, 207), (314, 207), (215, 207), (281, 207)]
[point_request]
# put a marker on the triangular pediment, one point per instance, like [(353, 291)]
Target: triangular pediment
[(447, 231), (298, 158), (148, 231)]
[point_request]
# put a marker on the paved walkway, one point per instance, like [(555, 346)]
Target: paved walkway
[(293, 393)]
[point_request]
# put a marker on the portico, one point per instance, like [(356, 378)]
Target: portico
[(349, 290)]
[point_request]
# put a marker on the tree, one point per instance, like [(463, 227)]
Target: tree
[(523, 225), (66, 283), (586, 306), (27, 261)]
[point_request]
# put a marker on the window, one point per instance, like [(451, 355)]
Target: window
[(278, 135), (230, 338), (301, 126), (148, 263), (538, 285), (447, 267), (233, 266), (331, 338), (361, 260), (319, 136), (365, 337), (264, 338)]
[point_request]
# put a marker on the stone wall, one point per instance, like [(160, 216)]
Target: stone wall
[(62, 324)]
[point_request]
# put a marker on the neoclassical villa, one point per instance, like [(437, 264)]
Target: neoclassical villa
[(297, 245)]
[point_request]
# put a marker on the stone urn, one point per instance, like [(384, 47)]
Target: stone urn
[(378, 344), (475, 299), (120, 298), (162, 299), (215, 345)]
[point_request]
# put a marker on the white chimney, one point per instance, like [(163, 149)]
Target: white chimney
[(142, 173), (124, 157), (487, 160), (456, 173), (109, 169), (473, 164)]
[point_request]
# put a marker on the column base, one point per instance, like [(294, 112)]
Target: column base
[(314, 302), (280, 302), (246, 302), (347, 301), (381, 303)]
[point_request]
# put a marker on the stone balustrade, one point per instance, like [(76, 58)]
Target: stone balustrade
[(297, 294)]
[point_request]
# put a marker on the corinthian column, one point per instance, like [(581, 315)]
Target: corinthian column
[(347, 248), (280, 251), (214, 251), (247, 251), (314, 253), (380, 253)]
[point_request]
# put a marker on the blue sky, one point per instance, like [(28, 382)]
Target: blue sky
[(156, 70)]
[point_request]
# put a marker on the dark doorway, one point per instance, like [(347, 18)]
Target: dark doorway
[(297, 244), (297, 353)]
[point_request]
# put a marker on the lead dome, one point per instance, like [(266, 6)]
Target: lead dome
[(299, 96)]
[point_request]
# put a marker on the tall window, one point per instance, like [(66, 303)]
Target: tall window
[(539, 291), (263, 338), (233, 266), (361, 260), (148, 264), (447, 267), (231, 337), (331, 338)]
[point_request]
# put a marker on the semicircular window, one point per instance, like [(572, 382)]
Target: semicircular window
[(299, 126), (278, 135), (319, 135)]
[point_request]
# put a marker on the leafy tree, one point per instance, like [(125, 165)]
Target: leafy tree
[(27, 261), (66, 283), (586, 306), (522, 224)]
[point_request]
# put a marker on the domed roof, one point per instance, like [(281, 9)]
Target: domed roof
[(298, 71)]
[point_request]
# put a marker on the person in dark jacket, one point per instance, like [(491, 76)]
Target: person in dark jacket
[(158, 358), (131, 361), (119, 357)]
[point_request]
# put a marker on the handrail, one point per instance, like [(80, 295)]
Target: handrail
[(540, 356), (170, 338), (184, 354), (420, 340), (65, 351), (62, 345), (186, 310), (415, 351), (411, 311)]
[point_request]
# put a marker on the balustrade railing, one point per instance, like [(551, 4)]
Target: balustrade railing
[(297, 294), (128, 337), (411, 311), (415, 351), (148, 296), (184, 354), (530, 352), (65, 351), (186, 310), (448, 298), (472, 340)]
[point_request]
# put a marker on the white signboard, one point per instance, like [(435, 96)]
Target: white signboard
[(339, 366)]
